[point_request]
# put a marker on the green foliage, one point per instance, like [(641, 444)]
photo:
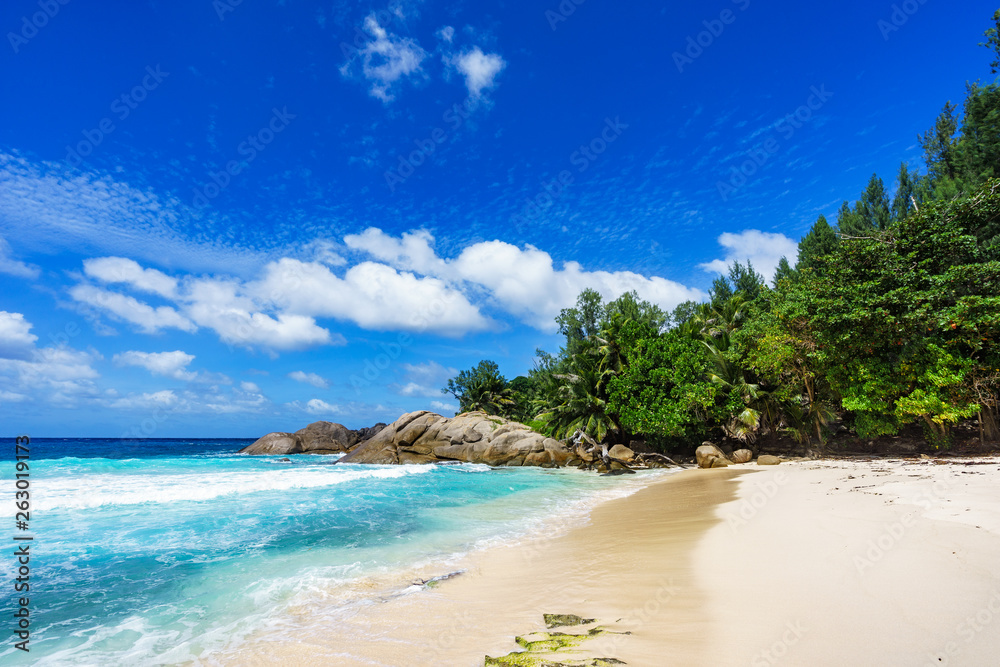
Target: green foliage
[(818, 243), (897, 316), (871, 213), (482, 388), (891, 319), (664, 392), (908, 193), (993, 42)]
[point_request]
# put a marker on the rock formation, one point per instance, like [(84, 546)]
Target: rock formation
[(741, 456), (472, 437), (317, 438), (710, 456)]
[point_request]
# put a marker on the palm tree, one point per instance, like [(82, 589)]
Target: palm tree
[(577, 400)]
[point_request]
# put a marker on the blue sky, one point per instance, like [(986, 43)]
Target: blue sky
[(226, 218)]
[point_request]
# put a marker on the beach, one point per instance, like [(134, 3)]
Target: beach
[(830, 562)]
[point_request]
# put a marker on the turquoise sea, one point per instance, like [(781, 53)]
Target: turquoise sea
[(153, 552)]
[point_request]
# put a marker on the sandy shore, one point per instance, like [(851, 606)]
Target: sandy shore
[(808, 563)]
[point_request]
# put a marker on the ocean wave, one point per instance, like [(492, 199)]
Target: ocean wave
[(104, 490)]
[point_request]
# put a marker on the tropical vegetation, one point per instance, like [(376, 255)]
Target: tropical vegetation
[(886, 319)]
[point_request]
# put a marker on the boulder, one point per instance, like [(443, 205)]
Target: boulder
[(622, 453), (741, 456), (471, 437), (768, 460), (274, 444), (327, 438), (317, 438), (710, 456)]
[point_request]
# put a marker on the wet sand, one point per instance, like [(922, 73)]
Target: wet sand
[(808, 563)]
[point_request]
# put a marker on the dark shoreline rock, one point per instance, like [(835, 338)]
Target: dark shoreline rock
[(317, 438)]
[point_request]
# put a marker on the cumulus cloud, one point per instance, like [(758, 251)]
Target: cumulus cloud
[(16, 339), (59, 375), (446, 34), (763, 249), (385, 60), (147, 401), (250, 387), (372, 295), (203, 401), (131, 310), (318, 407), (425, 379), (13, 267), (479, 69), (444, 408), (523, 281), (122, 270), (168, 364), (310, 378)]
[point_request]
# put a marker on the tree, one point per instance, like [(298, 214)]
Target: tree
[(784, 271), (819, 242), (941, 153), (906, 193), (993, 42), (481, 388), (664, 393), (581, 322), (908, 320)]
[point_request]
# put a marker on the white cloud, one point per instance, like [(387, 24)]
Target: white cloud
[(318, 407), (169, 364), (763, 249), (130, 309), (148, 401), (412, 251), (16, 339), (11, 266), (444, 408), (57, 375), (425, 379), (48, 207), (479, 69), (128, 271), (446, 34), (524, 282), (385, 59), (208, 401), (223, 306), (250, 387), (310, 378), (373, 296)]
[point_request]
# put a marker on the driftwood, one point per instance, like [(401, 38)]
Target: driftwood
[(594, 454)]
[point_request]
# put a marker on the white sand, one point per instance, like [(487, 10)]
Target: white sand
[(809, 563)]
